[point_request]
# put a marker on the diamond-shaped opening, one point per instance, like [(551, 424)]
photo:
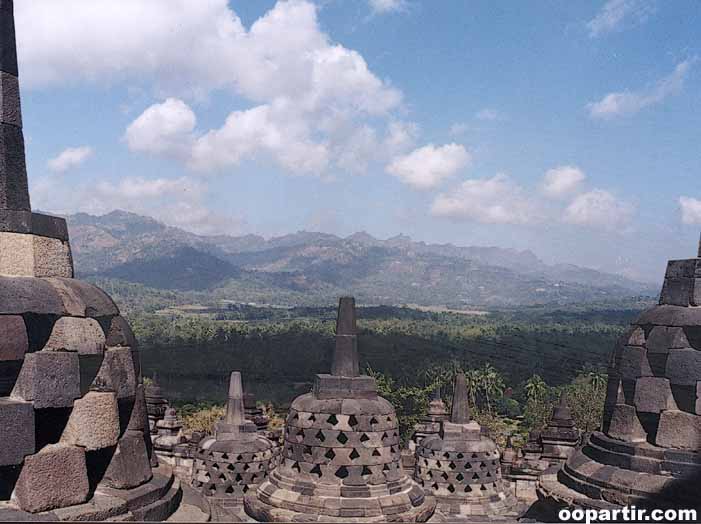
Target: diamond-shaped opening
[(212, 488), (364, 437), (430, 474), (245, 488), (307, 450), (239, 478), (451, 488), (222, 477), (332, 420), (385, 468), (444, 476), (452, 465), (385, 436), (342, 437), (494, 485), (312, 418), (438, 463), (460, 477), (225, 456), (342, 472), (376, 453), (474, 455), (366, 472), (300, 436), (330, 454), (320, 436), (253, 478), (246, 467), (425, 462), (230, 467), (295, 416), (468, 465), (316, 470), (373, 420), (460, 456), (229, 490), (354, 454), (482, 465), (475, 477), (352, 421), (488, 475), (215, 466), (483, 488), (434, 485), (446, 455), (468, 489), (296, 467)]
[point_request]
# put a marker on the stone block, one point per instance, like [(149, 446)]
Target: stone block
[(16, 431), (8, 53), (56, 477), (10, 107), (677, 291), (89, 367), (82, 335), (662, 339), (94, 422), (14, 191), (14, 221), (97, 303), (625, 425), (13, 338), (684, 366), (49, 379), (49, 226), (118, 372), (633, 363), (119, 333), (19, 295), (696, 293), (130, 465), (653, 394), (16, 255), (335, 387), (52, 257), (679, 430), (681, 268), (72, 302)]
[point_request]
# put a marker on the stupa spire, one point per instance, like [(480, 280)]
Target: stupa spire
[(14, 190), (699, 252), (234, 406), (460, 413), (345, 357)]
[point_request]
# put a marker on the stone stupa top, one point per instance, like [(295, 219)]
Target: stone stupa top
[(345, 380), (15, 209), (234, 425), (461, 425)]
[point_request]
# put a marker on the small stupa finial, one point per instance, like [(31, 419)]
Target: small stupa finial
[(345, 357), (699, 252), (234, 405), (461, 408)]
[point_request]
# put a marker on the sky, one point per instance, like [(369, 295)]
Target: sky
[(567, 128)]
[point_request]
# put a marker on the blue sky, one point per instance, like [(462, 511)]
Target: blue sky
[(570, 129)]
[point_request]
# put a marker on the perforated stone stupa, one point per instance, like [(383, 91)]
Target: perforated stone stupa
[(341, 456), (648, 450), (237, 459), (461, 467), (73, 425)]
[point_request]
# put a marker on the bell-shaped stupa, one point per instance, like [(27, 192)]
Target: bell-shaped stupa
[(461, 467), (341, 459)]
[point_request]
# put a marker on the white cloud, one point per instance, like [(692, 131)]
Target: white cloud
[(70, 158), (630, 102), (599, 209), (618, 14), (691, 210), (386, 6), (428, 166), (562, 180), (310, 97), (496, 200), (488, 114), (163, 128)]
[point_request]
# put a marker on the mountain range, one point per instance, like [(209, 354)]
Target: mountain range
[(315, 268)]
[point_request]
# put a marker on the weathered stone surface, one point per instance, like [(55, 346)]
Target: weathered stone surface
[(666, 315), (653, 394), (94, 422), (72, 302), (16, 431), (677, 291), (14, 192), (16, 255), (10, 112), (138, 418), (49, 226), (118, 372), (684, 366), (83, 335), (8, 53), (19, 295), (13, 338), (97, 302), (625, 425), (130, 465), (15, 221), (680, 430), (49, 379), (662, 339), (633, 363), (52, 257), (119, 333), (55, 477)]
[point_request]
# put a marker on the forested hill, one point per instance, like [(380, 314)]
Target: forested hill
[(314, 268)]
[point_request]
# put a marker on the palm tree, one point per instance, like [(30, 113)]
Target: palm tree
[(492, 384), (473, 381), (535, 388)]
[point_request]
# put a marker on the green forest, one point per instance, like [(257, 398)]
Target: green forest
[(517, 362)]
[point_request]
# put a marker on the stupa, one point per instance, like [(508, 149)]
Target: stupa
[(237, 459), (156, 404), (341, 455), (647, 452), (430, 424), (461, 467), (560, 437), (73, 426), (254, 413)]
